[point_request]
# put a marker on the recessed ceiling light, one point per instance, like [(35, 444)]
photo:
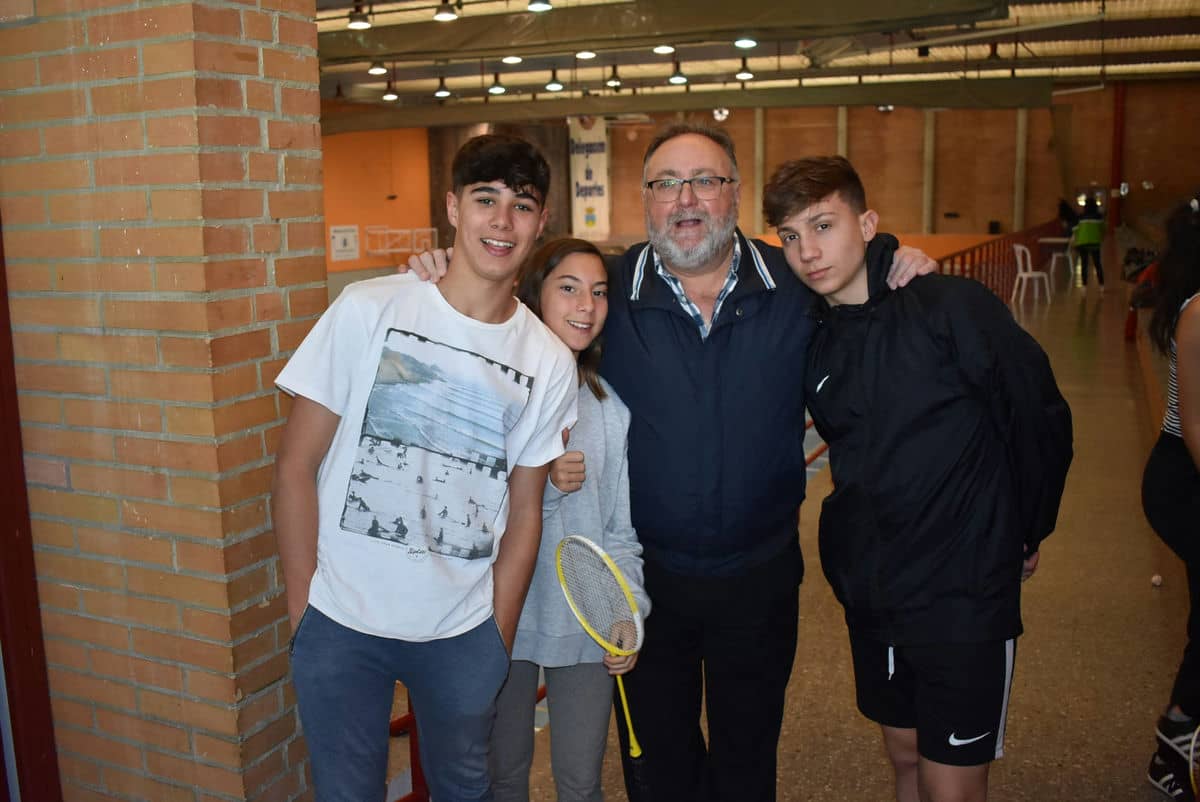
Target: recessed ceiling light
[(512, 59), (441, 91), (554, 85), (744, 43), (585, 54), (358, 19), (496, 88), (744, 73), (538, 6), (377, 68), (445, 13), (664, 50)]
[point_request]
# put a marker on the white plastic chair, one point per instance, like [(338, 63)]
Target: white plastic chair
[(1068, 257), (1026, 273)]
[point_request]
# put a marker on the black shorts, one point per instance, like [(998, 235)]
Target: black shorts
[(955, 695)]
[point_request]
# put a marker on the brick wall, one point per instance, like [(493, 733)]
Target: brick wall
[(160, 190), (887, 150)]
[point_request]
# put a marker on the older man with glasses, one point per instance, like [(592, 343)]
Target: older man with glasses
[(705, 342)]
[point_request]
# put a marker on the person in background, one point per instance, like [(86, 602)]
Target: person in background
[(1171, 481), (1087, 239), (1067, 216), (566, 285), (398, 381)]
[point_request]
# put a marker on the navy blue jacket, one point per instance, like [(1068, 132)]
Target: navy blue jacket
[(716, 454)]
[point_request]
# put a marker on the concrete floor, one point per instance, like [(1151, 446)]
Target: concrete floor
[(1101, 643)]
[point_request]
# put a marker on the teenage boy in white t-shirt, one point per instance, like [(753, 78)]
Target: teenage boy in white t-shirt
[(408, 487)]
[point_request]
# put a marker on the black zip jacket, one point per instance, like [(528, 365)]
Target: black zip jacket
[(949, 446)]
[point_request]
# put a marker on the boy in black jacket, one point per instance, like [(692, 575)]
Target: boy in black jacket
[(949, 446)]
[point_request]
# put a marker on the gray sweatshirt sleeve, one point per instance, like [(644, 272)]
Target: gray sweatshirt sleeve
[(620, 538)]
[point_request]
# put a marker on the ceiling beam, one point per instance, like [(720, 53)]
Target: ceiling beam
[(643, 24), (967, 93), (526, 84)]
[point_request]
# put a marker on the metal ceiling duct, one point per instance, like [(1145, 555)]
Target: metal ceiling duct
[(647, 22)]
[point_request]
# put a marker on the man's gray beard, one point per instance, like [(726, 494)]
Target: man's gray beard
[(720, 236)]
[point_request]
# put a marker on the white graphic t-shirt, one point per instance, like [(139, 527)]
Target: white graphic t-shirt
[(435, 407)]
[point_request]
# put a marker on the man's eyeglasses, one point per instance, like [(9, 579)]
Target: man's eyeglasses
[(705, 187)]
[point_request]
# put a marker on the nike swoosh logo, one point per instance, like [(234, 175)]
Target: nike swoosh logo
[(956, 741), (821, 383)]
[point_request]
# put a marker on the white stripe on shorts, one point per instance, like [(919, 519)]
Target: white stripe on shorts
[(1009, 646)]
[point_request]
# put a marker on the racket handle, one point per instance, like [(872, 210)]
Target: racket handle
[(635, 749)]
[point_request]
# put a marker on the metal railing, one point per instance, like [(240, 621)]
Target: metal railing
[(994, 263)]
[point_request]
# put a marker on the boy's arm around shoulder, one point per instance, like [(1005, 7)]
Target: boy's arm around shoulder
[(304, 444), (1008, 367)]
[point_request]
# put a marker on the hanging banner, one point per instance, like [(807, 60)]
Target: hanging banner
[(589, 177)]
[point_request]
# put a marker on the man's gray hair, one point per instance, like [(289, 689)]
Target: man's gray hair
[(717, 135)]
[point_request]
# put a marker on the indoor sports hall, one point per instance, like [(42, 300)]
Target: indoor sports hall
[(187, 185)]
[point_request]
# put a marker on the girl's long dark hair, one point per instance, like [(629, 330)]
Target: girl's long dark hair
[(1178, 272), (529, 290)]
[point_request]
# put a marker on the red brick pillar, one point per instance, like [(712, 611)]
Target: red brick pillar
[(160, 192)]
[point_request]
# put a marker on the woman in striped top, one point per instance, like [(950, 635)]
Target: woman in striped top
[(1171, 483)]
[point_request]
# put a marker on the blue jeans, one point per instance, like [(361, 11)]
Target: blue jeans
[(345, 681)]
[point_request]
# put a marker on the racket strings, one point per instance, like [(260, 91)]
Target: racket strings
[(599, 599)]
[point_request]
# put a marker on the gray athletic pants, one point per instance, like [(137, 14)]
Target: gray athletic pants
[(580, 700)]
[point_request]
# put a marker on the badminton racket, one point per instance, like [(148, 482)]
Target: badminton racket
[(599, 596)]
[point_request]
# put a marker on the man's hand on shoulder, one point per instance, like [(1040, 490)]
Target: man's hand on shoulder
[(429, 265), (907, 264)]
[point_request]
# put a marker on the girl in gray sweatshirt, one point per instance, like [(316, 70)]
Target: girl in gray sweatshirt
[(566, 284)]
